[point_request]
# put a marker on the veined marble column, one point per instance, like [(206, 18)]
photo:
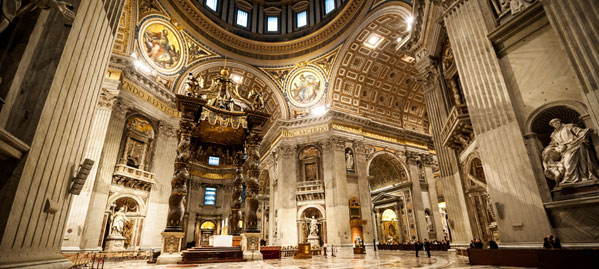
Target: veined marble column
[(510, 177), (80, 203), (577, 24), (337, 199)]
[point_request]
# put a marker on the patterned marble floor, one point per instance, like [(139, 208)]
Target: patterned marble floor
[(379, 259)]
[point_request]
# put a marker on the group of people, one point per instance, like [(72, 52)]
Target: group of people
[(477, 243), (551, 241), (427, 247)]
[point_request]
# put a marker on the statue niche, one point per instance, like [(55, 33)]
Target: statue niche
[(139, 135)]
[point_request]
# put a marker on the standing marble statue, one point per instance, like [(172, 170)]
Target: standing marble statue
[(119, 221), (349, 160), (313, 227), (568, 158)]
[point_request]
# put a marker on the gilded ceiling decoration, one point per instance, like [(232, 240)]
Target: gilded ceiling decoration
[(372, 80), (385, 171)]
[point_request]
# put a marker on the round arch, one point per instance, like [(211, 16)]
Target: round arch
[(571, 104), (113, 198), (390, 157), (303, 208), (272, 91)]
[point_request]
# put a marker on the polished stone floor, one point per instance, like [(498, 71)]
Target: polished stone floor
[(379, 259)]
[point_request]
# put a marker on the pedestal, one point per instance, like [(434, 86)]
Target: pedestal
[(303, 252), (589, 188), (251, 246), (115, 243), (314, 241), (171, 248)]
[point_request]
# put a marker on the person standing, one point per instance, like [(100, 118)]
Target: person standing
[(493, 244), (417, 247), (427, 247), (556, 242)]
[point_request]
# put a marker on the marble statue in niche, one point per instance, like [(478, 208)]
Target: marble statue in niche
[(568, 158), (313, 227), (429, 221), (349, 160), (311, 171), (119, 223), (134, 153)]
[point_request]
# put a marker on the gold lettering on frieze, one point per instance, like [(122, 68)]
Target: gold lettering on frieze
[(360, 131), (306, 131), (212, 175), (149, 98)]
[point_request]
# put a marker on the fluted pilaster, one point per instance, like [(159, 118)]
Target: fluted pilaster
[(509, 173), (95, 143)]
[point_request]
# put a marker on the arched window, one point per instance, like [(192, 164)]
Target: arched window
[(207, 225)]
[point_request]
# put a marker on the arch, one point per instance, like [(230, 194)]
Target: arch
[(303, 208), (474, 180), (571, 104), (208, 225), (113, 198), (568, 111), (273, 94), (385, 170), (389, 215), (399, 162)]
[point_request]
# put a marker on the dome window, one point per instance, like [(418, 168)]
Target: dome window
[(329, 5), (302, 19), (242, 18), (272, 24), (212, 4)]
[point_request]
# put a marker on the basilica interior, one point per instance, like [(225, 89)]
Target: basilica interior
[(298, 133)]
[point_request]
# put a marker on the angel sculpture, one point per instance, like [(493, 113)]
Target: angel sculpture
[(257, 99)]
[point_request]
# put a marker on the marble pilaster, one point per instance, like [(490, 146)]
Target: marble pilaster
[(95, 143), (287, 212), (432, 191), (417, 197), (94, 223), (577, 25), (337, 199), (361, 165), (511, 182)]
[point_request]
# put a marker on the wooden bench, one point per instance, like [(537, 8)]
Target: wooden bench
[(539, 258), (212, 254)]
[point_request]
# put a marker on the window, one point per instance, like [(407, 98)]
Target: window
[(210, 196), (329, 5), (213, 160), (242, 18), (212, 4), (302, 19), (272, 24)]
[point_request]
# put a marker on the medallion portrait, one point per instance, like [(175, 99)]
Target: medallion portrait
[(161, 46), (305, 87)]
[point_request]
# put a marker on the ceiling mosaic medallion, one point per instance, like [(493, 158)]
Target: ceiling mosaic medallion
[(161, 45), (305, 87)]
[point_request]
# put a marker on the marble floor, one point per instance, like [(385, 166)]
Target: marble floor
[(379, 259)]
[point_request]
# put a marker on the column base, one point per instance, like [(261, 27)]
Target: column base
[(171, 248), (255, 255), (250, 243), (167, 258)]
